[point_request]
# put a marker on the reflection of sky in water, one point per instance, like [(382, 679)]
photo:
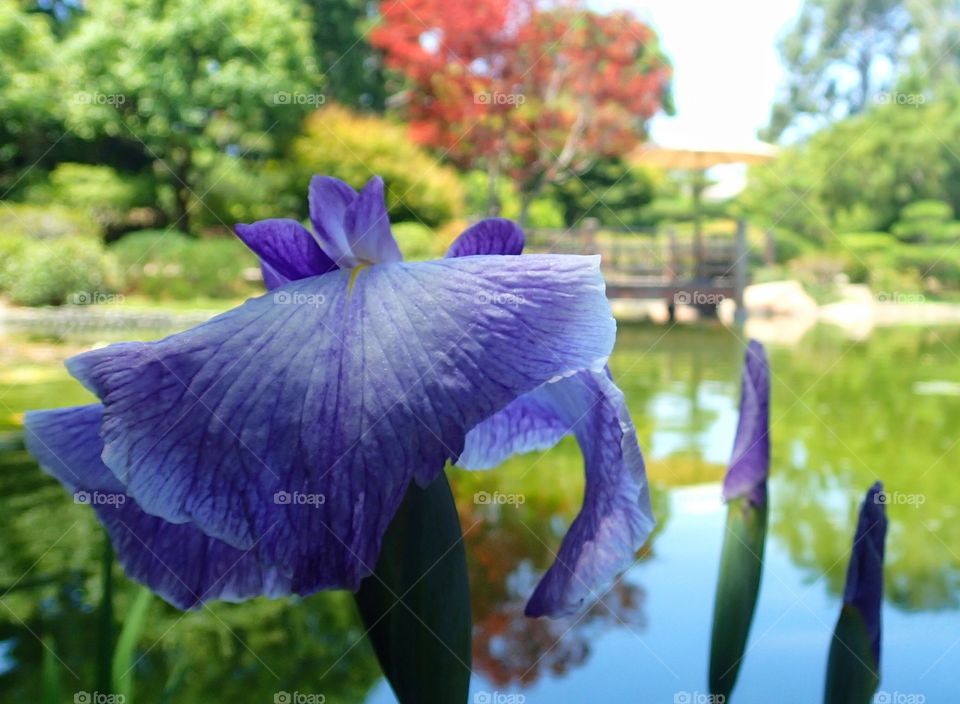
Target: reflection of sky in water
[(677, 417), (789, 640)]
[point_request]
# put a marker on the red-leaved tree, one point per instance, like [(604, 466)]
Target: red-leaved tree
[(535, 91)]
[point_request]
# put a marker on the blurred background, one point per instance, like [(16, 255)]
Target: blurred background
[(790, 164)]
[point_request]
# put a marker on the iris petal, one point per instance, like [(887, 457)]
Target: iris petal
[(750, 460), (490, 236), (329, 199), (178, 562), (616, 517), (343, 387), (271, 279), (368, 226), (864, 586), (287, 248)]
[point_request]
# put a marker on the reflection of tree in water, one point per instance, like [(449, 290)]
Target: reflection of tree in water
[(50, 556), (507, 555), (860, 416)]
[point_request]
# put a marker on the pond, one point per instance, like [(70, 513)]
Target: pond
[(844, 413)]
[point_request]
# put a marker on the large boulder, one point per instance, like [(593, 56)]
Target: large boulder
[(778, 298)]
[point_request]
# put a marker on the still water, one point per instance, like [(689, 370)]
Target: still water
[(844, 413)]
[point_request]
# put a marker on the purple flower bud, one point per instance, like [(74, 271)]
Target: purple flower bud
[(750, 461), (864, 590)]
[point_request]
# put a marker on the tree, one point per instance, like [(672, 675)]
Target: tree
[(529, 90), (31, 114), (611, 191), (351, 68), (859, 174), (188, 81), (839, 55)]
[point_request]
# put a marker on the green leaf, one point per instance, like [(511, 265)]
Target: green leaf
[(741, 565), (105, 619), (50, 669), (416, 604), (123, 662), (852, 673)]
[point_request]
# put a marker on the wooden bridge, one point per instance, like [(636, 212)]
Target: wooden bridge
[(700, 272)]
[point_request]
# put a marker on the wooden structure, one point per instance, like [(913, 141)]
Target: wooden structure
[(651, 265)]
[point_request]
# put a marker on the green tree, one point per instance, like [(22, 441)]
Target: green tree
[(186, 81), (838, 55), (858, 174), (610, 190), (352, 69), (30, 106)]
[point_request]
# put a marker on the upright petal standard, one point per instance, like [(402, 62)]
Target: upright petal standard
[(267, 450)]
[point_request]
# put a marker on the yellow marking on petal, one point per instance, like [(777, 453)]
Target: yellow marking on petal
[(354, 273)]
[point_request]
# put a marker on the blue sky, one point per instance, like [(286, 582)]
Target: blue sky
[(726, 69)]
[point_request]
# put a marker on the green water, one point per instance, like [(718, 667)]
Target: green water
[(844, 413)]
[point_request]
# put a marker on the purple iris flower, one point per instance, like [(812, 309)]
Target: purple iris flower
[(864, 589), (266, 451), (750, 461)]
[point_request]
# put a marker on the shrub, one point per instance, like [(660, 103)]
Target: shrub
[(354, 147), (927, 210), (417, 241), (100, 192), (243, 191), (11, 248), (67, 270), (925, 221), (940, 262), (788, 245), (866, 242), (172, 265), (46, 221)]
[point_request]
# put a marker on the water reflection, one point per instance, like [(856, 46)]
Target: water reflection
[(844, 413), (508, 549)]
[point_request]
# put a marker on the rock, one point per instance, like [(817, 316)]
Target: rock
[(778, 298)]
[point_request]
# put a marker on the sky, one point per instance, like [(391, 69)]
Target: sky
[(726, 69)]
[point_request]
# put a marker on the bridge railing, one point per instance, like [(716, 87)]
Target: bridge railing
[(646, 263)]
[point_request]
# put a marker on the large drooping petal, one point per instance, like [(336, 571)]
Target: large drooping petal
[(490, 236), (616, 517), (750, 461), (286, 249), (177, 561), (338, 390), (864, 587)]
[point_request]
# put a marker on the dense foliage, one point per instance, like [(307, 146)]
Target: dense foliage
[(530, 90)]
